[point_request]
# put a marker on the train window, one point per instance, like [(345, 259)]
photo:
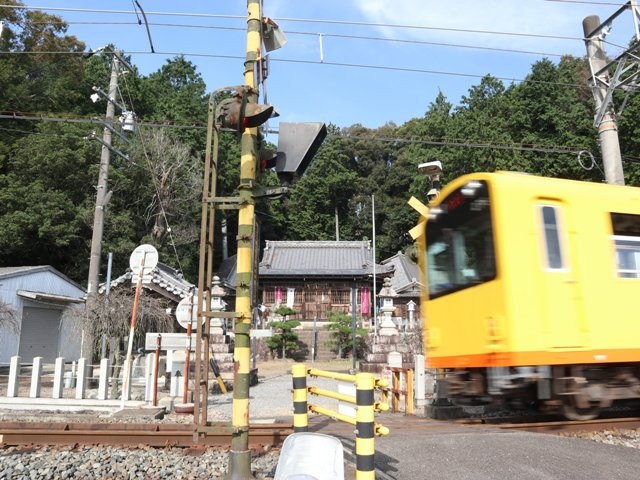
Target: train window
[(626, 237), (553, 249), (460, 250)]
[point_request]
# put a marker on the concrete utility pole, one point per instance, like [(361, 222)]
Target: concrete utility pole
[(608, 125), (102, 198), (240, 455), (103, 177)]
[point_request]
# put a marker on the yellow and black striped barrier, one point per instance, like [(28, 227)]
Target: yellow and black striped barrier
[(366, 406), (300, 416)]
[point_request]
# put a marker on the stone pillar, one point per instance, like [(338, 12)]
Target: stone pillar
[(14, 374), (36, 376), (176, 388), (420, 381), (58, 378), (148, 376), (103, 383), (81, 382)]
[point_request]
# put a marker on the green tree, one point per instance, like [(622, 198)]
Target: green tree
[(285, 340), (341, 329)]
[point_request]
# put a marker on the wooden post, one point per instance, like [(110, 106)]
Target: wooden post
[(408, 408), (395, 385)]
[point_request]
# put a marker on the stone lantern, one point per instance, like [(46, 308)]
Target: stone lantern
[(411, 308), (387, 294), (217, 305)]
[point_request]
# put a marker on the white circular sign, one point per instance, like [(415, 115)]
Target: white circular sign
[(187, 310), (150, 256)]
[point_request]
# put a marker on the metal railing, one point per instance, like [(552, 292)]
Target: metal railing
[(366, 406)]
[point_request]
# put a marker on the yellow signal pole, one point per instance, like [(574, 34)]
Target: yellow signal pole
[(240, 455)]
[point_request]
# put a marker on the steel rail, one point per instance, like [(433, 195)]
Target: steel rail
[(131, 434), (595, 425)]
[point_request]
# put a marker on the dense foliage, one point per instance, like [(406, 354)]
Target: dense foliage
[(48, 170)]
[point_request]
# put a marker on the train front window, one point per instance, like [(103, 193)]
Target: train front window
[(460, 250), (626, 237)]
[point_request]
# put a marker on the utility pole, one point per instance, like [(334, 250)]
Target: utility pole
[(102, 197), (375, 293), (240, 455), (103, 177), (607, 125)]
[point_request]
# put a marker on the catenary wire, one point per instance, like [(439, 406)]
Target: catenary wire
[(588, 2), (317, 62), (328, 35), (305, 20), (441, 143)]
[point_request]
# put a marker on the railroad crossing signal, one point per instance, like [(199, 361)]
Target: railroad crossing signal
[(237, 114), (297, 145)]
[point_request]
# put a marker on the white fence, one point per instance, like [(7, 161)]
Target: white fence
[(77, 379)]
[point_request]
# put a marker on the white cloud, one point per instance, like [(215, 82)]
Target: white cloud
[(521, 16)]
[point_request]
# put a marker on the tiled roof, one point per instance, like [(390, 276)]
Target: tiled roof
[(332, 258), (165, 280), (406, 274)]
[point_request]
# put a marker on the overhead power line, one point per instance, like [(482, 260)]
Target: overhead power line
[(588, 2), (449, 142), (329, 35), (305, 20), (29, 116), (317, 62)]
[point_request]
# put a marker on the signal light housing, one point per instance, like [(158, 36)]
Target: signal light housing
[(237, 114), (297, 145)]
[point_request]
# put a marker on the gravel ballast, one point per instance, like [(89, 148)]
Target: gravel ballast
[(84, 462)]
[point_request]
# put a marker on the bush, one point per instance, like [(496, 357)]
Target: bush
[(285, 340), (342, 335)]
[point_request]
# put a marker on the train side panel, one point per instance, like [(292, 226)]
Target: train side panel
[(557, 297)]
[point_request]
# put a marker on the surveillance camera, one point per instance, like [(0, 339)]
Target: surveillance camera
[(94, 97), (430, 168)]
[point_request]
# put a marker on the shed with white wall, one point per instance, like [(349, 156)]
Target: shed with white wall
[(39, 297)]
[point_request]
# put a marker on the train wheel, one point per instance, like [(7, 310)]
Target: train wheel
[(573, 412)]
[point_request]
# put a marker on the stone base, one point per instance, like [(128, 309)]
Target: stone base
[(443, 412)]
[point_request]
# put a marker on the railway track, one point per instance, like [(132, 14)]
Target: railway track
[(132, 434), (557, 426)]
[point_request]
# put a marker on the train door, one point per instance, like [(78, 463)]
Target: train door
[(559, 285)]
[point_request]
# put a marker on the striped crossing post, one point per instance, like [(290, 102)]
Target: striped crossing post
[(300, 411), (365, 427)]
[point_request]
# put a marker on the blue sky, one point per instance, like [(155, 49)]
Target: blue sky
[(346, 95)]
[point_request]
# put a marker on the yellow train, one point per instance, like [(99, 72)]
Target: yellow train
[(533, 290)]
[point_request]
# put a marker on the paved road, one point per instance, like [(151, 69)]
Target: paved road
[(464, 452), (427, 449)]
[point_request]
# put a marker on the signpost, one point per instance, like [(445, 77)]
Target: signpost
[(142, 261), (187, 316)]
